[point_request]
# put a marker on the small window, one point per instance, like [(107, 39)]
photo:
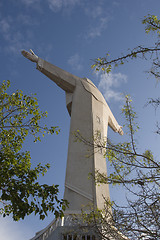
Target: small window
[(75, 237), (69, 237), (64, 237)]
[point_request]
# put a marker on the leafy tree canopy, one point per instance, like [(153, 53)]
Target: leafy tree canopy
[(138, 172), (152, 24), (20, 192)]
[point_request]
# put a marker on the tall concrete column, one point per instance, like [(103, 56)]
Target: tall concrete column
[(89, 113)]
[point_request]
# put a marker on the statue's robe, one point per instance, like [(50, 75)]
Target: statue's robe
[(89, 113)]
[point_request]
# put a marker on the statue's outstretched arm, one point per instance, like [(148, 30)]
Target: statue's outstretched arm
[(30, 55), (112, 122), (63, 79)]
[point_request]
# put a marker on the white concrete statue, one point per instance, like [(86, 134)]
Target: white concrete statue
[(89, 113)]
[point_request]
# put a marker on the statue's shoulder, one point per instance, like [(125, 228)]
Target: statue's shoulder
[(90, 87), (87, 80)]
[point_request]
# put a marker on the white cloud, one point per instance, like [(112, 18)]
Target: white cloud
[(33, 4), (108, 83), (75, 62), (57, 5), (94, 11), (98, 18), (25, 20), (96, 31), (15, 40), (30, 2), (5, 28), (4, 25)]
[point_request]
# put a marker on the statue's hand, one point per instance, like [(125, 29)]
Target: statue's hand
[(120, 131), (30, 55)]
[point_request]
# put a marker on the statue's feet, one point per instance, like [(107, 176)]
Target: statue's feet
[(30, 55)]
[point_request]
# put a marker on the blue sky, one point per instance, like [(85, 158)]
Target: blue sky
[(70, 34)]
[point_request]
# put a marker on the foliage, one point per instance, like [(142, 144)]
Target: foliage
[(152, 24), (138, 172), (102, 223), (20, 192)]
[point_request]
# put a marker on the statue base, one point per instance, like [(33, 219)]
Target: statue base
[(67, 228), (71, 227)]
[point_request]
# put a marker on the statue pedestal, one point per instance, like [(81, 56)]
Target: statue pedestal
[(67, 228), (73, 228)]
